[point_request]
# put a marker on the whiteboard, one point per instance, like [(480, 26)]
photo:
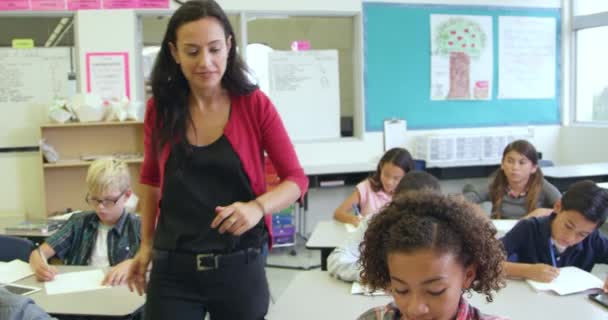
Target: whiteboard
[(31, 79), (305, 88)]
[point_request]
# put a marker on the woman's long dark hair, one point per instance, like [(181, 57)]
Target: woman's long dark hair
[(169, 86)]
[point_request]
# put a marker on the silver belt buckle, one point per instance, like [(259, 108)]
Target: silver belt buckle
[(199, 261)]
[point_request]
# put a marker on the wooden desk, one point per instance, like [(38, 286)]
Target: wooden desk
[(316, 295), (330, 234), (326, 236), (112, 302), (563, 176)]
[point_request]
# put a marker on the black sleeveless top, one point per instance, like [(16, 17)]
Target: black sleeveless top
[(198, 179)]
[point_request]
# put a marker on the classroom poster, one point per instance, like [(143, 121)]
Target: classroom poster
[(108, 74), (84, 4), (9, 5), (48, 5), (526, 55), (462, 62)]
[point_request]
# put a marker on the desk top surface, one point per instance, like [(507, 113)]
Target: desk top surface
[(331, 233), (301, 300), (116, 301), (328, 234), (577, 171)]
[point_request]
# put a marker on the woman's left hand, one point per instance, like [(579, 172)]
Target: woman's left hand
[(237, 218)]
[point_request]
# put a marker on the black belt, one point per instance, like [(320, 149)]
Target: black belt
[(207, 261)]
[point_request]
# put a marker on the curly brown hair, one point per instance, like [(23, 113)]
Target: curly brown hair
[(421, 220)]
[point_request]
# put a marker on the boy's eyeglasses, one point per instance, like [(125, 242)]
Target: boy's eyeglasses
[(107, 202)]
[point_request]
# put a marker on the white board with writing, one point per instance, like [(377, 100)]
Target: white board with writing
[(31, 79), (305, 88)]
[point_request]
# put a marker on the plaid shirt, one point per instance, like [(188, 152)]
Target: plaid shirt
[(390, 312), (74, 241)]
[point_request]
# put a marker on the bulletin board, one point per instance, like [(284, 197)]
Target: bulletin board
[(397, 71)]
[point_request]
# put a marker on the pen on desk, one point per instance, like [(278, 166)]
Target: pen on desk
[(356, 211), (43, 257)]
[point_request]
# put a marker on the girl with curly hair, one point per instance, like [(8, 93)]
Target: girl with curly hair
[(427, 250)]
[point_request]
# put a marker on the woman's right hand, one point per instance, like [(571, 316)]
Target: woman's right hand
[(139, 267)]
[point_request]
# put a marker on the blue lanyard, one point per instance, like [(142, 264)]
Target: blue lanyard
[(552, 253)]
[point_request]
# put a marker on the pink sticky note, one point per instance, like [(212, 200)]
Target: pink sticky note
[(10, 5), (84, 4), (154, 3), (120, 4), (44, 5)]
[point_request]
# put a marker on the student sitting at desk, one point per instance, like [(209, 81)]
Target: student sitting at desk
[(517, 189), (343, 261), (427, 250), (376, 191), (108, 236), (537, 247)]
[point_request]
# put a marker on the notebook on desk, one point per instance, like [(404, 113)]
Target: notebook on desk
[(570, 280), (14, 270)]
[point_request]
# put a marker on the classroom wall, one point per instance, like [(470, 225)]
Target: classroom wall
[(22, 196), (109, 31), (21, 188), (323, 33), (301, 6), (369, 147), (580, 144)]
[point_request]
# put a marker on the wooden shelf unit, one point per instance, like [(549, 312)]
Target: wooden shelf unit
[(64, 181)]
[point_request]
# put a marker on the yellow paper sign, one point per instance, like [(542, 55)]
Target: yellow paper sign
[(23, 43)]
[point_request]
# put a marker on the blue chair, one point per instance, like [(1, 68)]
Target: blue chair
[(12, 248)]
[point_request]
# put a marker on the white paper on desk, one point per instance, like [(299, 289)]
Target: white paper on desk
[(570, 280), (357, 288), (504, 225), (75, 282), (14, 270), (349, 227)]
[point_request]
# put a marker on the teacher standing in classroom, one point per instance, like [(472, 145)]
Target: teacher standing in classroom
[(205, 205)]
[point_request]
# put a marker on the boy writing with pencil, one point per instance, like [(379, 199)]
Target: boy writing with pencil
[(537, 247), (107, 236)]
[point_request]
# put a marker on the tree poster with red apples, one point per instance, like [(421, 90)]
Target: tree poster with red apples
[(462, 62)]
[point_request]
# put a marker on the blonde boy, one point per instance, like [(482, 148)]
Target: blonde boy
[(107, 236)]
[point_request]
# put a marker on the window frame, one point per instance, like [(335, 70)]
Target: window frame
[(579, 23)]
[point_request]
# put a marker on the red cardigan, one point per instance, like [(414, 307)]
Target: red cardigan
[(254, 126)]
